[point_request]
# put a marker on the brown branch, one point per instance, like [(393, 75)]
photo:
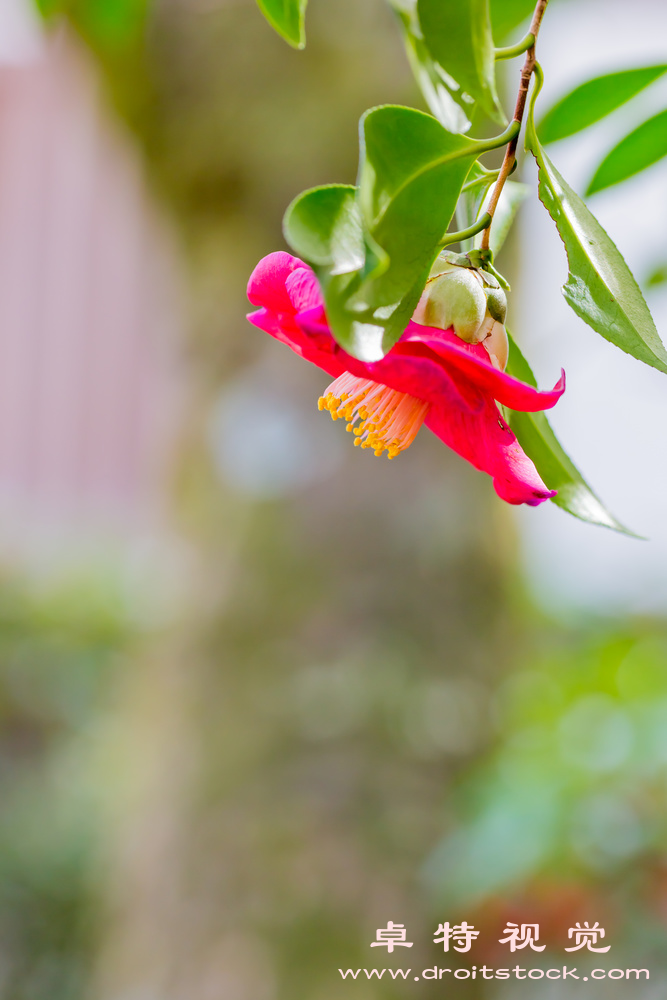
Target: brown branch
[(520, 107)]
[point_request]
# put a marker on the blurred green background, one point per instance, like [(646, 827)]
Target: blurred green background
[(349, 709)]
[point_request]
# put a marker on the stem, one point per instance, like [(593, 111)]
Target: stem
[(510, 51), (510, 152), (464, 234), (511, 134)]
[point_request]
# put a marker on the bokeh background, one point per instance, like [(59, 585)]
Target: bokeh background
[(261, 693)]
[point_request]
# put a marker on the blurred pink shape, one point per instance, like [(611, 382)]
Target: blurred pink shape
[(87, 379)]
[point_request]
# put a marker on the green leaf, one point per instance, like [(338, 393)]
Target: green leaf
[(444, 98), (536, 437), (457, 33), (592, 100), (507, 15), (323, 225), (411, 172), (600, 287), (373, 252), (641, 149), (288, 18)]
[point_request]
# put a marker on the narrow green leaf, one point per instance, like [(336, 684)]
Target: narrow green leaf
[(288, 17), (457, 33), (600, 287), (592, 100), (536, 437), (641, 149)]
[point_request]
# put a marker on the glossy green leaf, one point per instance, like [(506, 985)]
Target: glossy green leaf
[(444, 98), (592, 100), (508, 15), (600, 287), (411, 172), (536, 437), (641, 149), (457, 33), (373, 252), (323, 226), (288, 18)]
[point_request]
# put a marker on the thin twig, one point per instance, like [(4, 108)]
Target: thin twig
[(510, 51), (510, 152), (464, 234)]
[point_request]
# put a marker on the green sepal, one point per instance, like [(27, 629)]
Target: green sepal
[(481, 260)]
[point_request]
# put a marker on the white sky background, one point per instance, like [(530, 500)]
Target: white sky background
[(613, 417)]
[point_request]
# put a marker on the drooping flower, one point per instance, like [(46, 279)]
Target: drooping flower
[(430, 376)]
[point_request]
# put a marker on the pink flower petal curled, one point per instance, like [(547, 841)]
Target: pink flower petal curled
[(472, 361), (267, 284), (485, 440)]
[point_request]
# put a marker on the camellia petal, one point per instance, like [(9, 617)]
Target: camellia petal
[(486, 441), (472, 360)]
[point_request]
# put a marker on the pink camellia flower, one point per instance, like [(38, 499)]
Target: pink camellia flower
[(430, 376)]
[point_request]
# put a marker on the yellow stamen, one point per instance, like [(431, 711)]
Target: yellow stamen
[(379, 417)]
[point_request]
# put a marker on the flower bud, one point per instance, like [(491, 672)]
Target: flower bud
[(496, 303), (454, 297)]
